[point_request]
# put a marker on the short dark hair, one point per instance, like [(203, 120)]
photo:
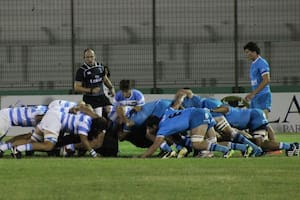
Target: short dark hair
[(125, 84), (98, 124), (152, 120), (252, 46)]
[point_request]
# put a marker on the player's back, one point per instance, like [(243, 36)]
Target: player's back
[(62, 105), (156, 108), (174, 121), (238, 117), (161, 106), (195, 101), (25, 116), (75, 123)]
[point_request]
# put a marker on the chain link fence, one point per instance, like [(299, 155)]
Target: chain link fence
[(158, 44)]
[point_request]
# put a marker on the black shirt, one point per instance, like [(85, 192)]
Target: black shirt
[(91, 77)]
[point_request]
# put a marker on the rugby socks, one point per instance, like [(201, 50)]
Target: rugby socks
[(242, 139), (5, 146), (178, 147), (165, 147), (217, 147), (237, 146), (284, 145), (185, 142), (25, 147)]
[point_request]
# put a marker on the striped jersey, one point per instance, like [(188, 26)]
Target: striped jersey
[(136, 99), (25, 116), (75, 123)]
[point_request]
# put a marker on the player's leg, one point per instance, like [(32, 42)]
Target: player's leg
[(223, 126), (198, 142)]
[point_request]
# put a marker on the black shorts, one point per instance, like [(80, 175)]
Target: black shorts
[(96, 101)]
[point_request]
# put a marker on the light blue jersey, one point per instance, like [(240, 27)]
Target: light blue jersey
[(136, 99), (25, 116), (156, 108), (175, 121), (251, 119), (258, 68), (198, 102), (263, 99)]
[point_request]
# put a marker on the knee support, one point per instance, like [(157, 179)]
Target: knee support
[(221, 125), (36, 138), (260, 134), (212, 140), (197, 138)]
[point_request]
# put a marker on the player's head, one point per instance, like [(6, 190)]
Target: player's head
[(89, 56), (125, 87), (98, 125), (251, 50), (152, 122)]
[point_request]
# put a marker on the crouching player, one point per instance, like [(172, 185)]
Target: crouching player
[(54, 121), (259, 128), (198, 121)]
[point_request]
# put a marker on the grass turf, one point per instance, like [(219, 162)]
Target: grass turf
[(269, 177)]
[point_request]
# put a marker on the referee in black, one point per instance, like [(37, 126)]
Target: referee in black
[(90, 80)]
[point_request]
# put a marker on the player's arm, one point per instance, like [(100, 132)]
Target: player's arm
[(271, 133), (80, 89), (95, 143), (265, 81), (86, 144), (88, 110), (156, 144), (109, 85), (221, 109), (178, 99)]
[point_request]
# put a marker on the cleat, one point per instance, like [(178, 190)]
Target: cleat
[(256, 152), (248, 152), (171, 154), (205, 154), (68, 152), (1, 153), (290, 152), (228, 154), (162, 153), (182, 153), (296, 152), (15, 153)]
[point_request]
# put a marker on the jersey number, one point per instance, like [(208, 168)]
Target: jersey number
[(174, 114)]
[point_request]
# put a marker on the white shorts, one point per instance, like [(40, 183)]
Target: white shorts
[(51, 123)]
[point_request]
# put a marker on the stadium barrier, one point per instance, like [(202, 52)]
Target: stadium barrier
[(284, 117)]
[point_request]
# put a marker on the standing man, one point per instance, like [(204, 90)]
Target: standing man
[(90, 80), (260, 96)]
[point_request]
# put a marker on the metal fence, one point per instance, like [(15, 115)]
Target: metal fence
[(156, 43)]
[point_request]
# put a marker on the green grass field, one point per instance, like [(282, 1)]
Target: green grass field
[(268, 177)]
